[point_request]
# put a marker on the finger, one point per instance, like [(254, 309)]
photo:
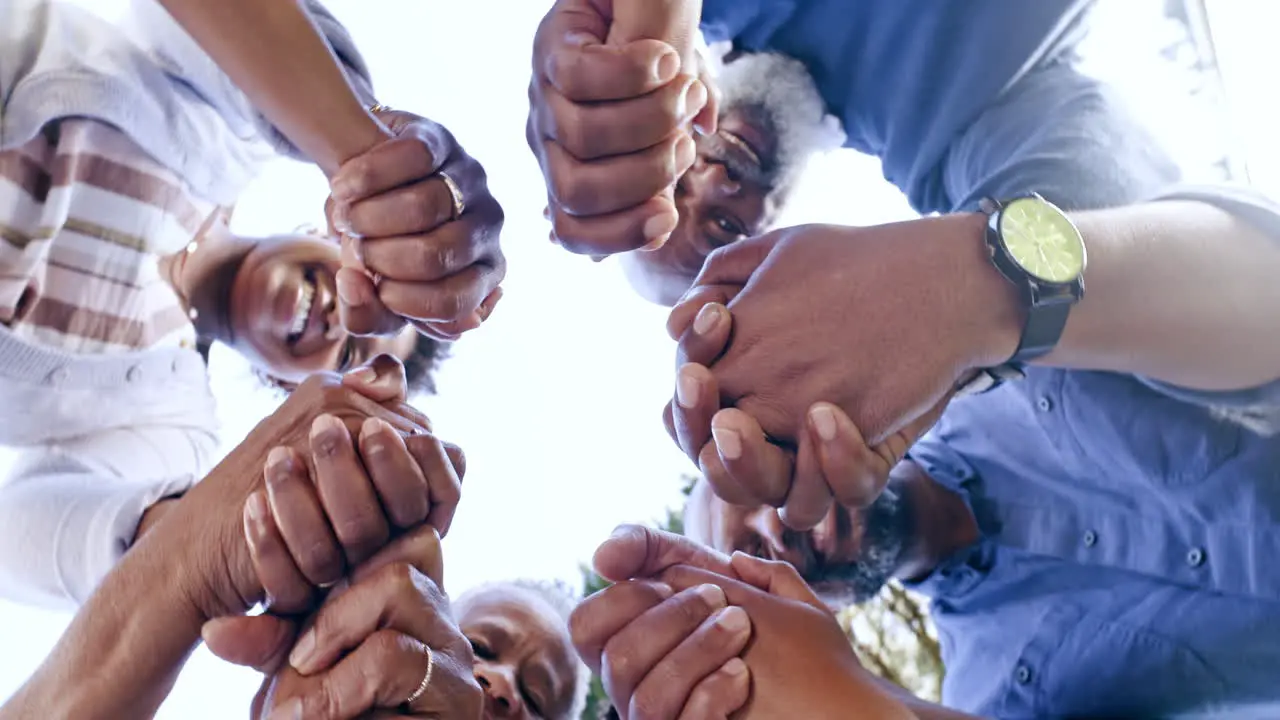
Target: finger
[(646, 224), (720, 694), (345, 491), (590, 131), (690, 307), (458, 459), (749, 459), (433, 256), (301, 519), (419, 548), (775, 577), (451, 331), (854, 472), (707, 339), (412, 209), (613, 184), (400, 484), (669, 421), (381, 379), (260, 642), (382, 671), (450, 299), (396, 597), (635, 551), (444, 485), (669, 685), (578, 64), (708, 119), (637, 648), (287, 589), (697, 402), (809, 499), (734, 264), (361, 311), (603, 615), (416, 153)]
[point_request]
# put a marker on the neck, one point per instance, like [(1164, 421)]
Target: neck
[(202, 279), (942, 522)]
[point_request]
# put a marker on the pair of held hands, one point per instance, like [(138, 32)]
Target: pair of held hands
[(838, 333), (311, 530)]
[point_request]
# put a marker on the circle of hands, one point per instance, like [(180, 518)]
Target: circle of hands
[(340, 498)]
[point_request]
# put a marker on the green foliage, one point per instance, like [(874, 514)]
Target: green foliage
[(892, 634)]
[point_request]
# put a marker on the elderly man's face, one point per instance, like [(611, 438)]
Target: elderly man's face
[(848, 557), (771, 120)]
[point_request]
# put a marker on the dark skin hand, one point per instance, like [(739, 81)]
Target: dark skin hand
[(891, 319), (438, 271), (616, 86)]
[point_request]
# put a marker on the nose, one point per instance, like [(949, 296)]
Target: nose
[(501, 699)]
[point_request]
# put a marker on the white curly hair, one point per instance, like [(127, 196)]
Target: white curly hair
[(562, 600)]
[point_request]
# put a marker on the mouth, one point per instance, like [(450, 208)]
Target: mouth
[(302, 308)]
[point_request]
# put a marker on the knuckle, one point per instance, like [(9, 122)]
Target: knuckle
[(364, 530), (650, 704), (321, 561), (399, 578)]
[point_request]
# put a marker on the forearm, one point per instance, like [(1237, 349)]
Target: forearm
[(273, 51), (122, 652), (1183, 292)]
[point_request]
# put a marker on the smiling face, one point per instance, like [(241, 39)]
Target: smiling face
[(283, 313), (847, 558), (772, 120), (524, 659)]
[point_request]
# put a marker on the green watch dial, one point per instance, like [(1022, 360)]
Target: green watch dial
[(1043, 240)]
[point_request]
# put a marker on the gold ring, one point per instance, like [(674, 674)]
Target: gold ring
[(455, 193), (426, 679), (376, 108)]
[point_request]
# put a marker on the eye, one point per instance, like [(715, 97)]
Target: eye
[(725, 230), (482, 651), (347, 356)]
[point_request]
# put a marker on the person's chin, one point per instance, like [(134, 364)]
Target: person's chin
[(652, 280)]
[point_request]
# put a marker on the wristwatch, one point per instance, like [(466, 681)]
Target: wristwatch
[(1036, 247)]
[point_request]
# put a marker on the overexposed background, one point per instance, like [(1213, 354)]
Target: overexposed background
[(557, 400)]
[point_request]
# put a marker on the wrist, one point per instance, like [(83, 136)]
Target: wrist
[(993, 304)]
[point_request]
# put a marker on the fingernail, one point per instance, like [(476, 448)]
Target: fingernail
[(735, 668), (734, 620), (546, 213), (686, 153), (664, 590), (291, 710), (686, 389), (364, 375), (369, 432), (712, 594), (256, 509), (326, 424), (340, 222), (599, 258), (351, 292), (706, 319), (728, 442), (666, 67), (620, 532), (695, 98), (824, 421), (300, 657), (658, 228), (279, 460)]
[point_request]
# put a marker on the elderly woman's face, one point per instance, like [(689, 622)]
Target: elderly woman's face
[(524, 659)]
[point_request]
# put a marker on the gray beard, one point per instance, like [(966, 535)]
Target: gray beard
[(887, 528)]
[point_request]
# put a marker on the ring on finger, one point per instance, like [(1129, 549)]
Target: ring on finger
[(426, 678), (455, 194), (376, 278)]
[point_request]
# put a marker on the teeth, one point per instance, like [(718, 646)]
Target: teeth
[(302, 310)]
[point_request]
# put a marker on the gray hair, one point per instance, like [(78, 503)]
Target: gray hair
[(560, 598)]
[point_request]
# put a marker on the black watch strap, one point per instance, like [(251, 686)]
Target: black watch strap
[(1043, 329)]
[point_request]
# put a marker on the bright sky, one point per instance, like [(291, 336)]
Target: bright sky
[(557, 400)]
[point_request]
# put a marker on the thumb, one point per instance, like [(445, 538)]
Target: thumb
[(381, 379), (261, 642), (774, 577), (733, 265), (360, 308), (635, 552)]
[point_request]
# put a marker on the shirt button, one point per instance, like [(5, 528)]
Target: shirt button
[(1195, 557), (1044, 404), (1090, 538), (1023, 675), (58, 376), (134, 374)]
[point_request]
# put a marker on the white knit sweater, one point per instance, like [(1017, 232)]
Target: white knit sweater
[(101, 438)]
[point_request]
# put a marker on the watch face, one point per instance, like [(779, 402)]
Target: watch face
[(1042, 239)]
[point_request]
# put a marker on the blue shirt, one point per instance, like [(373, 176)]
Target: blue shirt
[(1129, 532), (905, 76)]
